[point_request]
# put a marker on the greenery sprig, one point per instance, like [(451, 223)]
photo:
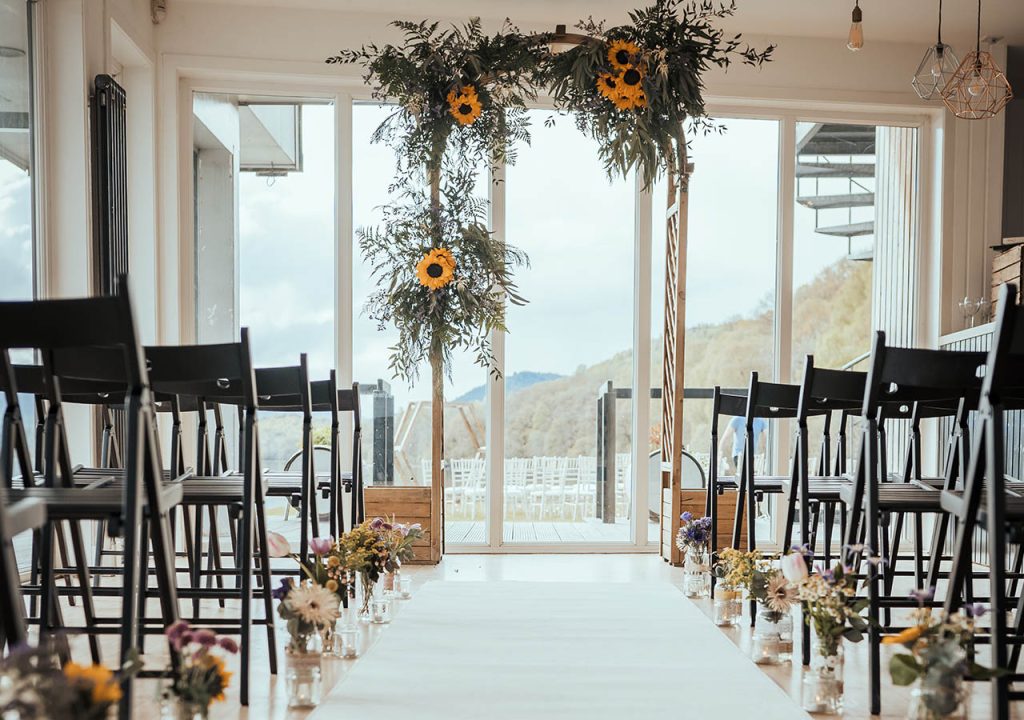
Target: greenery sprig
[(462, 312), (633, 88)]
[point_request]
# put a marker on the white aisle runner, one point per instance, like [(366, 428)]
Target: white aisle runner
[(531, 650)]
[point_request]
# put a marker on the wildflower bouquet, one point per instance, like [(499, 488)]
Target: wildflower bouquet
[(306, 608), (694, 535), (33, 686), (201, 676), (830, 600), (398, 538), (761, 579), (937, 656)]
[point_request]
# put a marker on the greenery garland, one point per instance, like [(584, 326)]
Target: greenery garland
[(442, 278), (634, 87)]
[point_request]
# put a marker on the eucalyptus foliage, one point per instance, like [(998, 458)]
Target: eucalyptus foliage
[(418, 74), (678, 43), (431, 323)]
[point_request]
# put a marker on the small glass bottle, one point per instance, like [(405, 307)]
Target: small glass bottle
[(728, 605)]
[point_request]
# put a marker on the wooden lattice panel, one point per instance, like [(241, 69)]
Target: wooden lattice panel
[(673, 358)]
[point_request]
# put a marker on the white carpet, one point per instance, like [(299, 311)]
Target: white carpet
[(520, 651)]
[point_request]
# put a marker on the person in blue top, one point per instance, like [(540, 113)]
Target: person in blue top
[(734, 438)]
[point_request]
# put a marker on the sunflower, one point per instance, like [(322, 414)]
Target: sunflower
[(464, 105), (607, 86), (222, 674), (621, 54), (630, 82), (436, 269)]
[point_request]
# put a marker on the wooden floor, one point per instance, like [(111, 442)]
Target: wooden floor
[(268, 701)]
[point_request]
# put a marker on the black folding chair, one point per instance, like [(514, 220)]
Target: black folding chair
[(897, 377), (986, 502), (223, 374), (59, 330)]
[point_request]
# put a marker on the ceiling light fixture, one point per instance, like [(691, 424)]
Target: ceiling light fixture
[(978, 89), (937, 66), (855, 41), (6, 51)]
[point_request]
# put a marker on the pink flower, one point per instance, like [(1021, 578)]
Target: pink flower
[(278, 545), (204, 638), (228, 644), (794, 568), (178, 634), (321, 546)]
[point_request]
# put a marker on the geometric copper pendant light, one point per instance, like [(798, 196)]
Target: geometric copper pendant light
[(936, 67), (978, 89)]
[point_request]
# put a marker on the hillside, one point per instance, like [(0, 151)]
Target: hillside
[(513, 384)]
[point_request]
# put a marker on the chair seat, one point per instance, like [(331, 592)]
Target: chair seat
[(953, 502), (823, 489), (762, 483), (24, 515), (905, 497), (96, 503)]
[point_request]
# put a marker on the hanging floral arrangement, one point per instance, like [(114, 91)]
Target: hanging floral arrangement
[(634, 87), (457, 91), (443, 280)]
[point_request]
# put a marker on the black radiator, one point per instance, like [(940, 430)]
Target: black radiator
[(109, 184)]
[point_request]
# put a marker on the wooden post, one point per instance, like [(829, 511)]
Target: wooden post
[(674, 340), (436, 412)]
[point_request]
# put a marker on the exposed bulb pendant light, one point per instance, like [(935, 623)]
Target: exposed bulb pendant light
[(978, 89), (855, 41), (936, 68)]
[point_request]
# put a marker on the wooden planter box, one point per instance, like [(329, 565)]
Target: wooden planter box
[(694, 502), (1006, 266), (407, 505)]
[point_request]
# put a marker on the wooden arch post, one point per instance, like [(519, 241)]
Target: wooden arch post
[(674, 342), (436, 414)]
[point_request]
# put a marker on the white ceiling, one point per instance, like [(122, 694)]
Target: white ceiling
[(886, 20)]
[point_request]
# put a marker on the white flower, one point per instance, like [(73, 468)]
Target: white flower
[(794, 568), (314, 603), (278, 545), (781, 595)]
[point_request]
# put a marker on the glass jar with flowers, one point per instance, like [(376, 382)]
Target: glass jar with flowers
[(398, 538), (772, 643), (365, 553), (834, 611), (34, 686), (937, 663), (729, 570), (305, 607), (693, 539), (200, 677)]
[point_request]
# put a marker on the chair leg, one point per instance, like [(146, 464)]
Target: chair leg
[(101, 537), (197, 564), (88, 607), (65, 561), (267, 584), (214, 559)]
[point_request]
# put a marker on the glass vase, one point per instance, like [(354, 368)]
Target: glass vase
[(822, 690), (367, 585), (302, 679), (728, 605), (175, 708), (943, 700), (772, 643), (696, 574)]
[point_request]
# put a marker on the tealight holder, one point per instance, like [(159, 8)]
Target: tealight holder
[(346, 642), (380, 611), (405, 588)]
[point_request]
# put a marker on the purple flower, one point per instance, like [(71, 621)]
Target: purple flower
[(281, 592), (321, 546), (924, 595), (178, 634), (204, 638), (228, 644), (686, 516), (377, 523), (975, 610)]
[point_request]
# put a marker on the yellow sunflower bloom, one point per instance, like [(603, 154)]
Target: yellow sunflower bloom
[(630, 82), (607, 85), (909, 635), (225, 676), (436, 269), (464, 105), (621, 54)]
